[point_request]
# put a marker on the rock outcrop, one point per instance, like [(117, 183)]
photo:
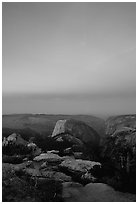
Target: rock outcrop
[(79, 165), (14, 139), (14, 144), (80, 170), (70, 170), (49, 157)]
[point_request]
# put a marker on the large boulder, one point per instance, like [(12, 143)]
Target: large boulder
[(15, 139), (14, 144), (53, 151), (80, 170), (49, 157), (79, 165)]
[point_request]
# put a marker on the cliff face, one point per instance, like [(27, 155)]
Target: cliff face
[(77, 135), (119, 149), (44, 123), (59, 128), (118, 122)]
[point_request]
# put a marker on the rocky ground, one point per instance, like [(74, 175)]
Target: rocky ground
[(82, 167)]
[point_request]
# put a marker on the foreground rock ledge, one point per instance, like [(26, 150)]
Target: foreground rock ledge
[(94, 192), (79, 165)]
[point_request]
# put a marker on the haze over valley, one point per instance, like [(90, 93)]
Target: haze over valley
[(69, 58)]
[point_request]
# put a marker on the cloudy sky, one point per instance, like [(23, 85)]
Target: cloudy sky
[(74, 58)]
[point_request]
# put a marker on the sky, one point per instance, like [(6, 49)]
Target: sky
[(69, 58)]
